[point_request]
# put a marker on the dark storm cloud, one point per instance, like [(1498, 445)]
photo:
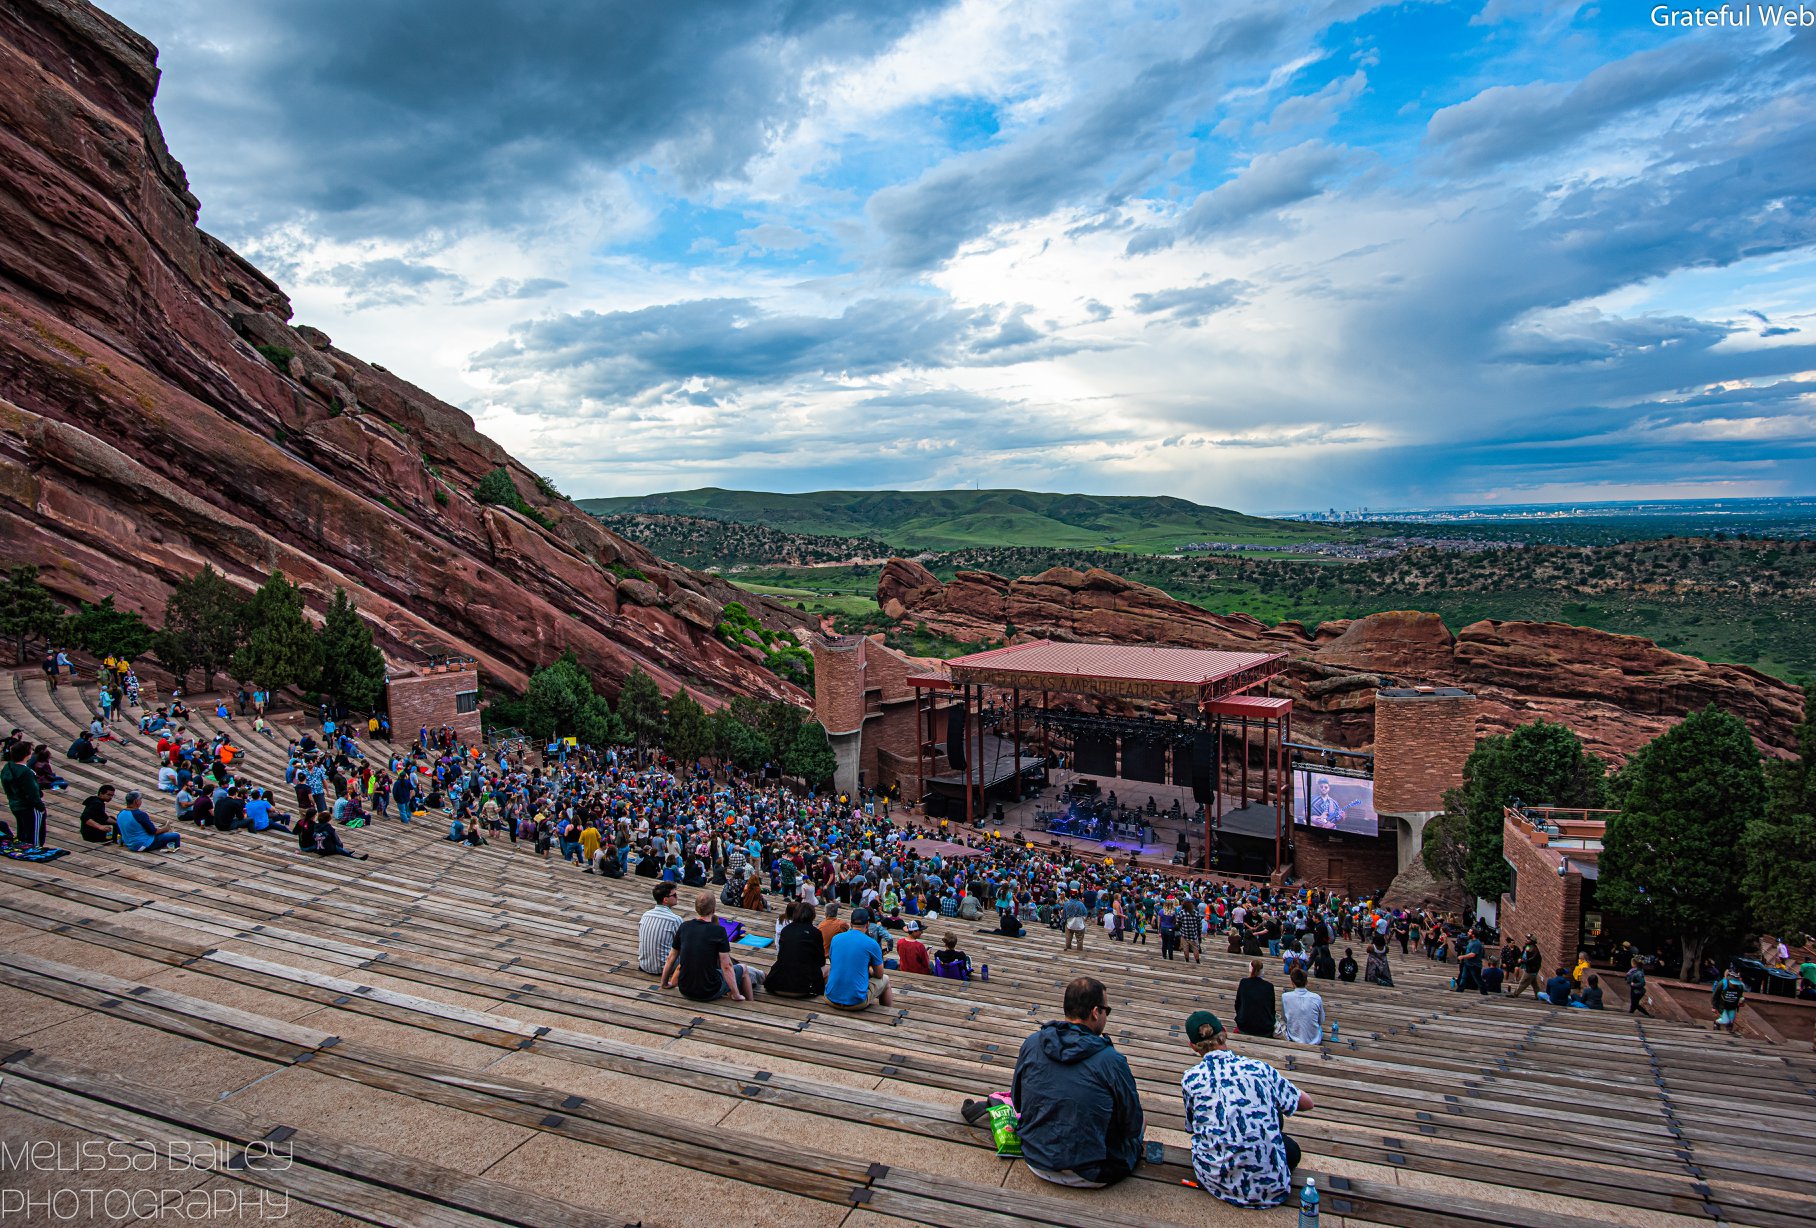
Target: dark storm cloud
[(624, 354), (375, 116)]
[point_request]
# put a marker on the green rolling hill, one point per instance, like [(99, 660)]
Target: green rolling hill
[(958, 519)]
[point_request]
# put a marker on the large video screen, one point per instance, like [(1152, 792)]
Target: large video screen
[(1334, 803)]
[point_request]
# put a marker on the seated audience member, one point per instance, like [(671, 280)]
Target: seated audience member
[(1233, 1107), (258, 809), (800, 967), (1346, 967), (700, 963), (1493, 978), (230, 812), (82, 750), (854, 978), (1255, 1003), (1080, 1117), (1591, 997), (656, 929), (950, 962), (1557, 989), (167, 779), (1302, 1012), (1008, 924), (97, 819), (910, 951), (316, 834), (137, 830)]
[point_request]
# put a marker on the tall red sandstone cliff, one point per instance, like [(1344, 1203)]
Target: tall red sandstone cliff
[(1616, 691), (142, 433)]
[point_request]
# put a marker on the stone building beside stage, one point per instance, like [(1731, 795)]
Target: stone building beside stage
[(434, 695), (862, 698), (1423, 737)]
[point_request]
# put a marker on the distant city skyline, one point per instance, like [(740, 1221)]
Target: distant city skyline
[(1255, 255)]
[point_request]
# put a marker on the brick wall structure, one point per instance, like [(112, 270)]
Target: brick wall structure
[(862, 697), (1544, 903), (1423, 736), (1354, 865), (433, 696)]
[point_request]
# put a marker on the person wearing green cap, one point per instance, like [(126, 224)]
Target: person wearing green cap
[(1233, 1109)]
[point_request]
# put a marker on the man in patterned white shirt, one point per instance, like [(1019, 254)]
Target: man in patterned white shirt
[(1233, 1107)]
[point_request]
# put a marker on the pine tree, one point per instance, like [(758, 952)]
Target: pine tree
[(281, 648), (352, 667), (105, 631), (1780, 849), (204, 625), (640, 707), (27, 609), (1541, 764), (810, 755), (1672, 856), (689, 736)]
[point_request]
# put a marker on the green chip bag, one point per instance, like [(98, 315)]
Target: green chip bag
[(1002, 1129)]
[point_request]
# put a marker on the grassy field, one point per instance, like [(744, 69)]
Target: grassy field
[(912, 520), (817, 601)]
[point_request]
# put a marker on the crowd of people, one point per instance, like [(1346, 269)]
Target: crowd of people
[(856, 888)]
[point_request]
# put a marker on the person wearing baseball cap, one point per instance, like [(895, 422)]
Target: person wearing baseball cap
[(1233, 1109), (854, 978), (910, 951)]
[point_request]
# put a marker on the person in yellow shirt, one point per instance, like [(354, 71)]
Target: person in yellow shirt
[(589, 844), (1582, 967)]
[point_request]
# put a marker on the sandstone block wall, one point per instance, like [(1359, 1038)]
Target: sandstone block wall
[(1541, 904), (1423, 736), (1354, 865), (432, 699), (838, 682)]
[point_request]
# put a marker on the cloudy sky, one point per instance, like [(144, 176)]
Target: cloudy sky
[(1256, 254)]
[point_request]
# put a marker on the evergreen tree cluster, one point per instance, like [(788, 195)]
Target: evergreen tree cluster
[(560, 702), (1707, 844)]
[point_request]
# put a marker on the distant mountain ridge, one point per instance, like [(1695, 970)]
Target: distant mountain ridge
[(957, 519)]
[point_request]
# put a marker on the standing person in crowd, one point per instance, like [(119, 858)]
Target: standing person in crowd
[(1080, 1117), (1233, 1111), (1636, 988), (1255, 1003), (1726, 995), (24, 796), (1530, 962), (1191, 930), (1074, 917)]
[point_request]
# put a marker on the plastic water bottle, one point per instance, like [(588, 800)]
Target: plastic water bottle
[(1308, 1204), (984, 973), (1334, 1028)]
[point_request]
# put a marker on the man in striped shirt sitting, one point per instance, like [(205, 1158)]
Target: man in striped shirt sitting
[(656, 929)]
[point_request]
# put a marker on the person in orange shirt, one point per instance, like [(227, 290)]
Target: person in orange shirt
[(833, 925)]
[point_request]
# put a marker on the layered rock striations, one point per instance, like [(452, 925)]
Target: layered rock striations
[(143, 431), (1616, 691)]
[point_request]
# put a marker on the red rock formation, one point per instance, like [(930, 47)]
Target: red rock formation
[(1616, 691), (144, 434)]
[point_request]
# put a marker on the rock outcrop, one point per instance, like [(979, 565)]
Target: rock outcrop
[(159, 410), (1616, 691)]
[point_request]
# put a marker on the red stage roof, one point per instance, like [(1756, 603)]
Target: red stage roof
[(1118, 670)]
